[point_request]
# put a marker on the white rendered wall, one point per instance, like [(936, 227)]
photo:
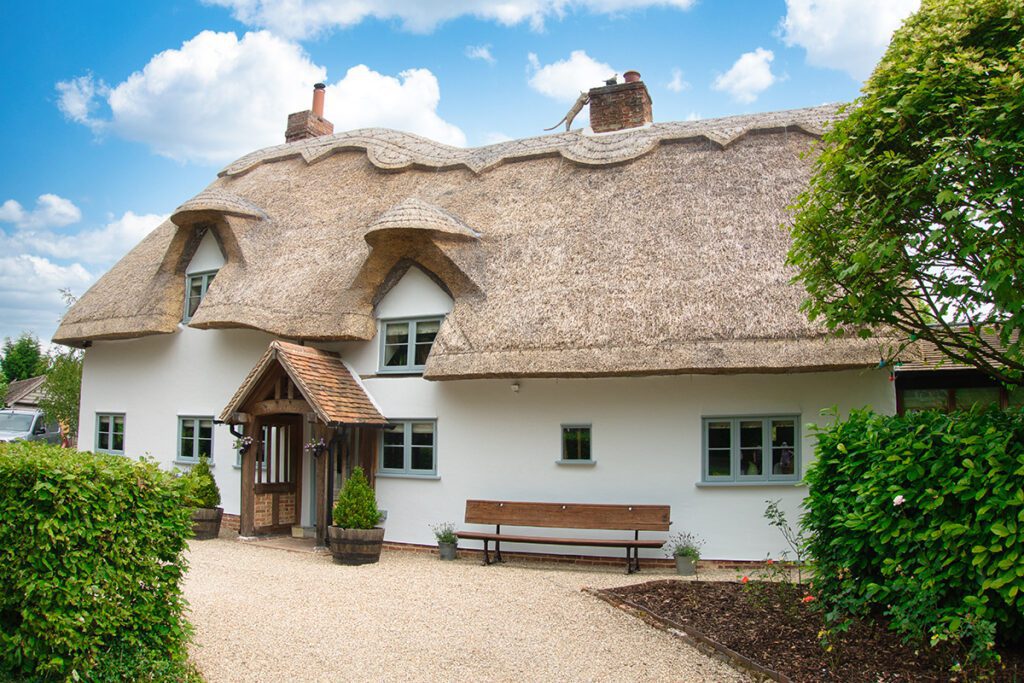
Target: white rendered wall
[(155, 379), (207, 257)]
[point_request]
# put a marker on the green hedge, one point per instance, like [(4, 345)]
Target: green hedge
[(921, 518), (91, 556)]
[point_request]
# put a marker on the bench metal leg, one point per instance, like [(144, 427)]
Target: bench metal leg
[(632, 560), (497, 551), (487, 557)]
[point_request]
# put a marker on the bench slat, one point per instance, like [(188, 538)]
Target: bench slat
[(569, 515), (595, 542)]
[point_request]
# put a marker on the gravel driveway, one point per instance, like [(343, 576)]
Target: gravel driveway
[(269, 615)]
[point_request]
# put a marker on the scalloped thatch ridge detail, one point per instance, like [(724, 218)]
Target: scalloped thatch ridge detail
[(392, 150), (416, 214)]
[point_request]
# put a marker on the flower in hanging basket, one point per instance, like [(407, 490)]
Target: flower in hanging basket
[(242, 444), (316, 447)]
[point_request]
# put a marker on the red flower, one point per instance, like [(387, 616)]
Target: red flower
[(769, 561), (808, 598), (745, 579)]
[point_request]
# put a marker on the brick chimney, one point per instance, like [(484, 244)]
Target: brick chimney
[(310, 123), (620, 106)]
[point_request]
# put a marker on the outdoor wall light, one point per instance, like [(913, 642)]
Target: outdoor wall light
[(515, 387)]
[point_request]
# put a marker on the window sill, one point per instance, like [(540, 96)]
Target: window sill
[(399, 372), (190, 463), (748, 484), (576, 463), (397, 475)]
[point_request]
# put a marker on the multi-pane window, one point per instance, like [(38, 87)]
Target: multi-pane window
[(406, 343), (110, 433), (951, 390), (576, 443), (196, 285), (751, 449), (195, 438), (409, 447)]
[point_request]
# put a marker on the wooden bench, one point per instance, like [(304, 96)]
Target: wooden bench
[(635, 518)]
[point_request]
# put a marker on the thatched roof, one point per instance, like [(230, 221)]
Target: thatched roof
[(649, 251), (335, 394)]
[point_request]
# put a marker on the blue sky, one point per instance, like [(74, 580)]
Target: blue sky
[(114, 113)]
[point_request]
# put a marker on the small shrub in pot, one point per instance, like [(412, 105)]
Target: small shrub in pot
[(202, 493), (355, 538), (446, 540), (685, 548)]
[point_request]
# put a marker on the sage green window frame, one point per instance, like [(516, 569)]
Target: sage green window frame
[(108, 437), (196, 423), (569, 458), (203, 279), (735, 449), (410, 344), (407, 470)]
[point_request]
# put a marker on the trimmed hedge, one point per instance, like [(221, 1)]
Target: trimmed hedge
[(91, 555), (921, 519)]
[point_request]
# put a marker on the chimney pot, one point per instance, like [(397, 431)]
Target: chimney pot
[(620, 106), (318, 99)]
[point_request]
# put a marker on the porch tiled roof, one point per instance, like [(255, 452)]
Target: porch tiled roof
[(22, 389), (333, 392)]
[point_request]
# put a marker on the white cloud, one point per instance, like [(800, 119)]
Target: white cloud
[(849, 35), (677, 84), (36, 263), (493, 138), (365, 98), (481, 52), (300, 19), (51, 211), (749, 76), (219, 97), (566, 79)]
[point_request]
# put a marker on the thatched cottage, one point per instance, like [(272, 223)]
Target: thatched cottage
[(591, 316)]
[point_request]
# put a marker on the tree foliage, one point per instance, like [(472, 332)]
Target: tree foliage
[(23, 358), (920, 518), (62, 389), (914, 218), (356, 507)]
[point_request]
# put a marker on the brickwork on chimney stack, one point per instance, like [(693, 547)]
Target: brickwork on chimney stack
[(620, 106), (306, 124)]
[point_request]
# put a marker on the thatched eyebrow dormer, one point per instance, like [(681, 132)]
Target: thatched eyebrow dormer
[(653, 250), (418, 215)]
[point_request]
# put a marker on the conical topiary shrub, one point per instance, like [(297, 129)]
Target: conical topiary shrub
[(354, 538), (202, 493)]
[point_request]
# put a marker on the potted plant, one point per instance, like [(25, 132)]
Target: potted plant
[(201, 492), (686, 549), (446, 540), (355, 537)]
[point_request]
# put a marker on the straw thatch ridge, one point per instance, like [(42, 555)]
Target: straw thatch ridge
[(335, 393), (395, 150), (216, 201), (672, 261)]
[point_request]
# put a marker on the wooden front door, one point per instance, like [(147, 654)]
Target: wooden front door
[(278, 473)]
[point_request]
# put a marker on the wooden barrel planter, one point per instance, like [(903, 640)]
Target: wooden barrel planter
[(355, 546), (206, 523)]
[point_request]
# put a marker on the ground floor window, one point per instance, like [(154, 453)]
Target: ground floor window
[(576, 443), (751, 448), (409, 447), (195, 438), (949, 390), (110, 433)]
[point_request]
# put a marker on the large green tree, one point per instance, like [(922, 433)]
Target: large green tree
[(23, 358), (914, 219), (62, 389)]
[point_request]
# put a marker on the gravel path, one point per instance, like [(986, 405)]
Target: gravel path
[(269, 615)]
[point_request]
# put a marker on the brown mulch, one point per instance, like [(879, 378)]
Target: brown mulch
[(768, 624)]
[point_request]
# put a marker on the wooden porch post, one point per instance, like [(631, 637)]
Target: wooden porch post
[(247, 515)]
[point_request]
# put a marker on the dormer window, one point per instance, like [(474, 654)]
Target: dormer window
[(405, 344), (196, 285)]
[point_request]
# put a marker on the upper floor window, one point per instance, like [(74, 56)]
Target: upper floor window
[(110, 433), (405, 344), (751, 449), (195, 438), (196, 285)]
